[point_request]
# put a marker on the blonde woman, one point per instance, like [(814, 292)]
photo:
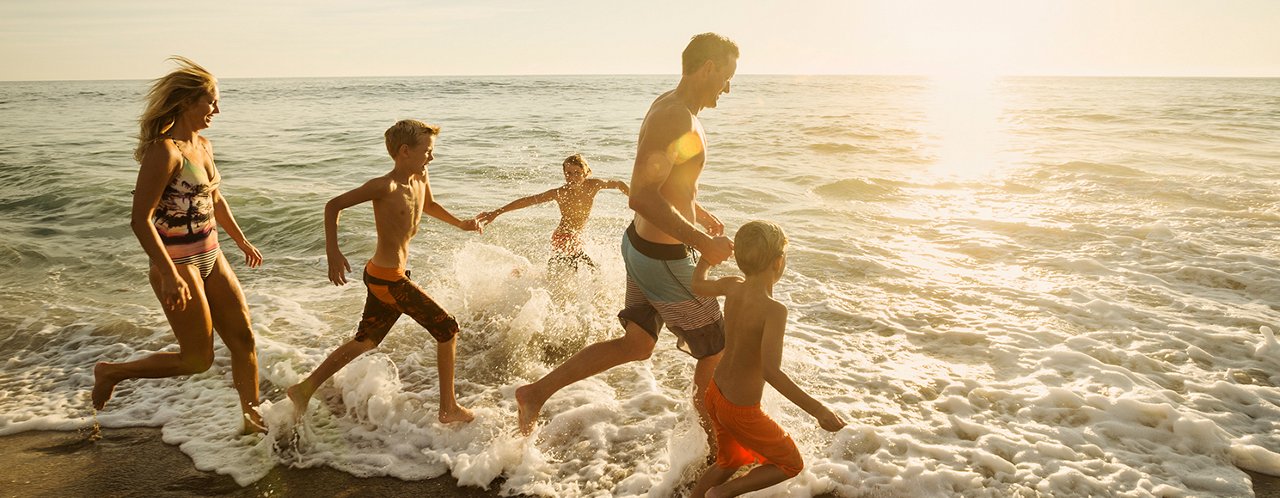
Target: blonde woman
[(177, 208)]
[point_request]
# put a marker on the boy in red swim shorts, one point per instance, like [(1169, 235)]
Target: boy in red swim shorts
[(399, 198), (754, 327)]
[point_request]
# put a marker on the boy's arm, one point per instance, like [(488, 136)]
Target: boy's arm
[(620, 185), (660, 149), (775, 323), (372, 189), (703, 286), (435, 210), (521, 203)]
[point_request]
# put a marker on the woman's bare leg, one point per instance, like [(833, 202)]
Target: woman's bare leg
[(231, 320), (191, 325)]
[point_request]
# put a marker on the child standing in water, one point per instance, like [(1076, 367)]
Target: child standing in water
[(754, 327), (575, 199), (399, 198)]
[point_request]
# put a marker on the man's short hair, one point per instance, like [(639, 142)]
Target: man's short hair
[(707, 47), (757, 245), (407, 132)]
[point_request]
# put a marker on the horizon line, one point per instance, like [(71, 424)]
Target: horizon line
[(509, 75)]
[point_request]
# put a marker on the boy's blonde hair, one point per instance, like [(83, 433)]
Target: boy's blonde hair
[(757, 245), (407, 132), (578, 160)]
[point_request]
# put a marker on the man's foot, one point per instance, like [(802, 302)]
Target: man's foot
[(103, 385), (529, 406), (300, 395), (456, 414)]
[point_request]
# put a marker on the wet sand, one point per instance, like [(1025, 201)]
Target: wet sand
[(135, 462)]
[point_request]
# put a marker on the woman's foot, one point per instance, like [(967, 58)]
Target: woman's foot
[(104, 383), (456, 414), (253, 424)]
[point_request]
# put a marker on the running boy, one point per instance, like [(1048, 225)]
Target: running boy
[(575, 199), (754, 326), (399, 199)]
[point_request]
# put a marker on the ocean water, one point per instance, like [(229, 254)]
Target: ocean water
[(1021, 287)]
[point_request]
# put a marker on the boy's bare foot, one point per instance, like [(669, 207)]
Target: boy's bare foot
[(529, 405), (300, 395), (103, 385), (456, 414)]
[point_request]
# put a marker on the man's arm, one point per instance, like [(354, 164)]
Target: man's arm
[(437, 211), (668, 141), (775, 324), (707, 220), (372, 189)]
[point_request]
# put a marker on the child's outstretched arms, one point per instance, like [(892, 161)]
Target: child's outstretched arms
[(771, 350), (488, 216), (703, 286), (620, 185)]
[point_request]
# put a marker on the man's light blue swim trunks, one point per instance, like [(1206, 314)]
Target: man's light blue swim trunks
[(659, 283)]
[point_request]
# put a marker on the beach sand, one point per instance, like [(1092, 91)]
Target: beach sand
[(135, 462)]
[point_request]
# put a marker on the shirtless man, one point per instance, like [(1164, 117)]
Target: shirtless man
[(399, 199), (662, 246)]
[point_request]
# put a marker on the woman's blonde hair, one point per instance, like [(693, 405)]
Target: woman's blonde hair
[(168, 96)]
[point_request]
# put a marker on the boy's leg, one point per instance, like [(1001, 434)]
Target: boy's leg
[(715, 475), (231, 320), (413, 301), (377, 319), (450, 410), (301, 392), (758, 478), (635, 345), (193, 328)]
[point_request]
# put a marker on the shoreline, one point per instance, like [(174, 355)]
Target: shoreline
[(134, 461)]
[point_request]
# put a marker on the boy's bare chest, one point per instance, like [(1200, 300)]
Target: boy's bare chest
[(403, 206)]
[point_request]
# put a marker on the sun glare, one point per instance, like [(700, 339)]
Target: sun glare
[(963, 125)]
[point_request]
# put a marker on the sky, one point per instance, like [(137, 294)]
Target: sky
[(130, 39)]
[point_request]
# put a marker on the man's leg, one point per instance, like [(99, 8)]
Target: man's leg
[(634, 345)]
